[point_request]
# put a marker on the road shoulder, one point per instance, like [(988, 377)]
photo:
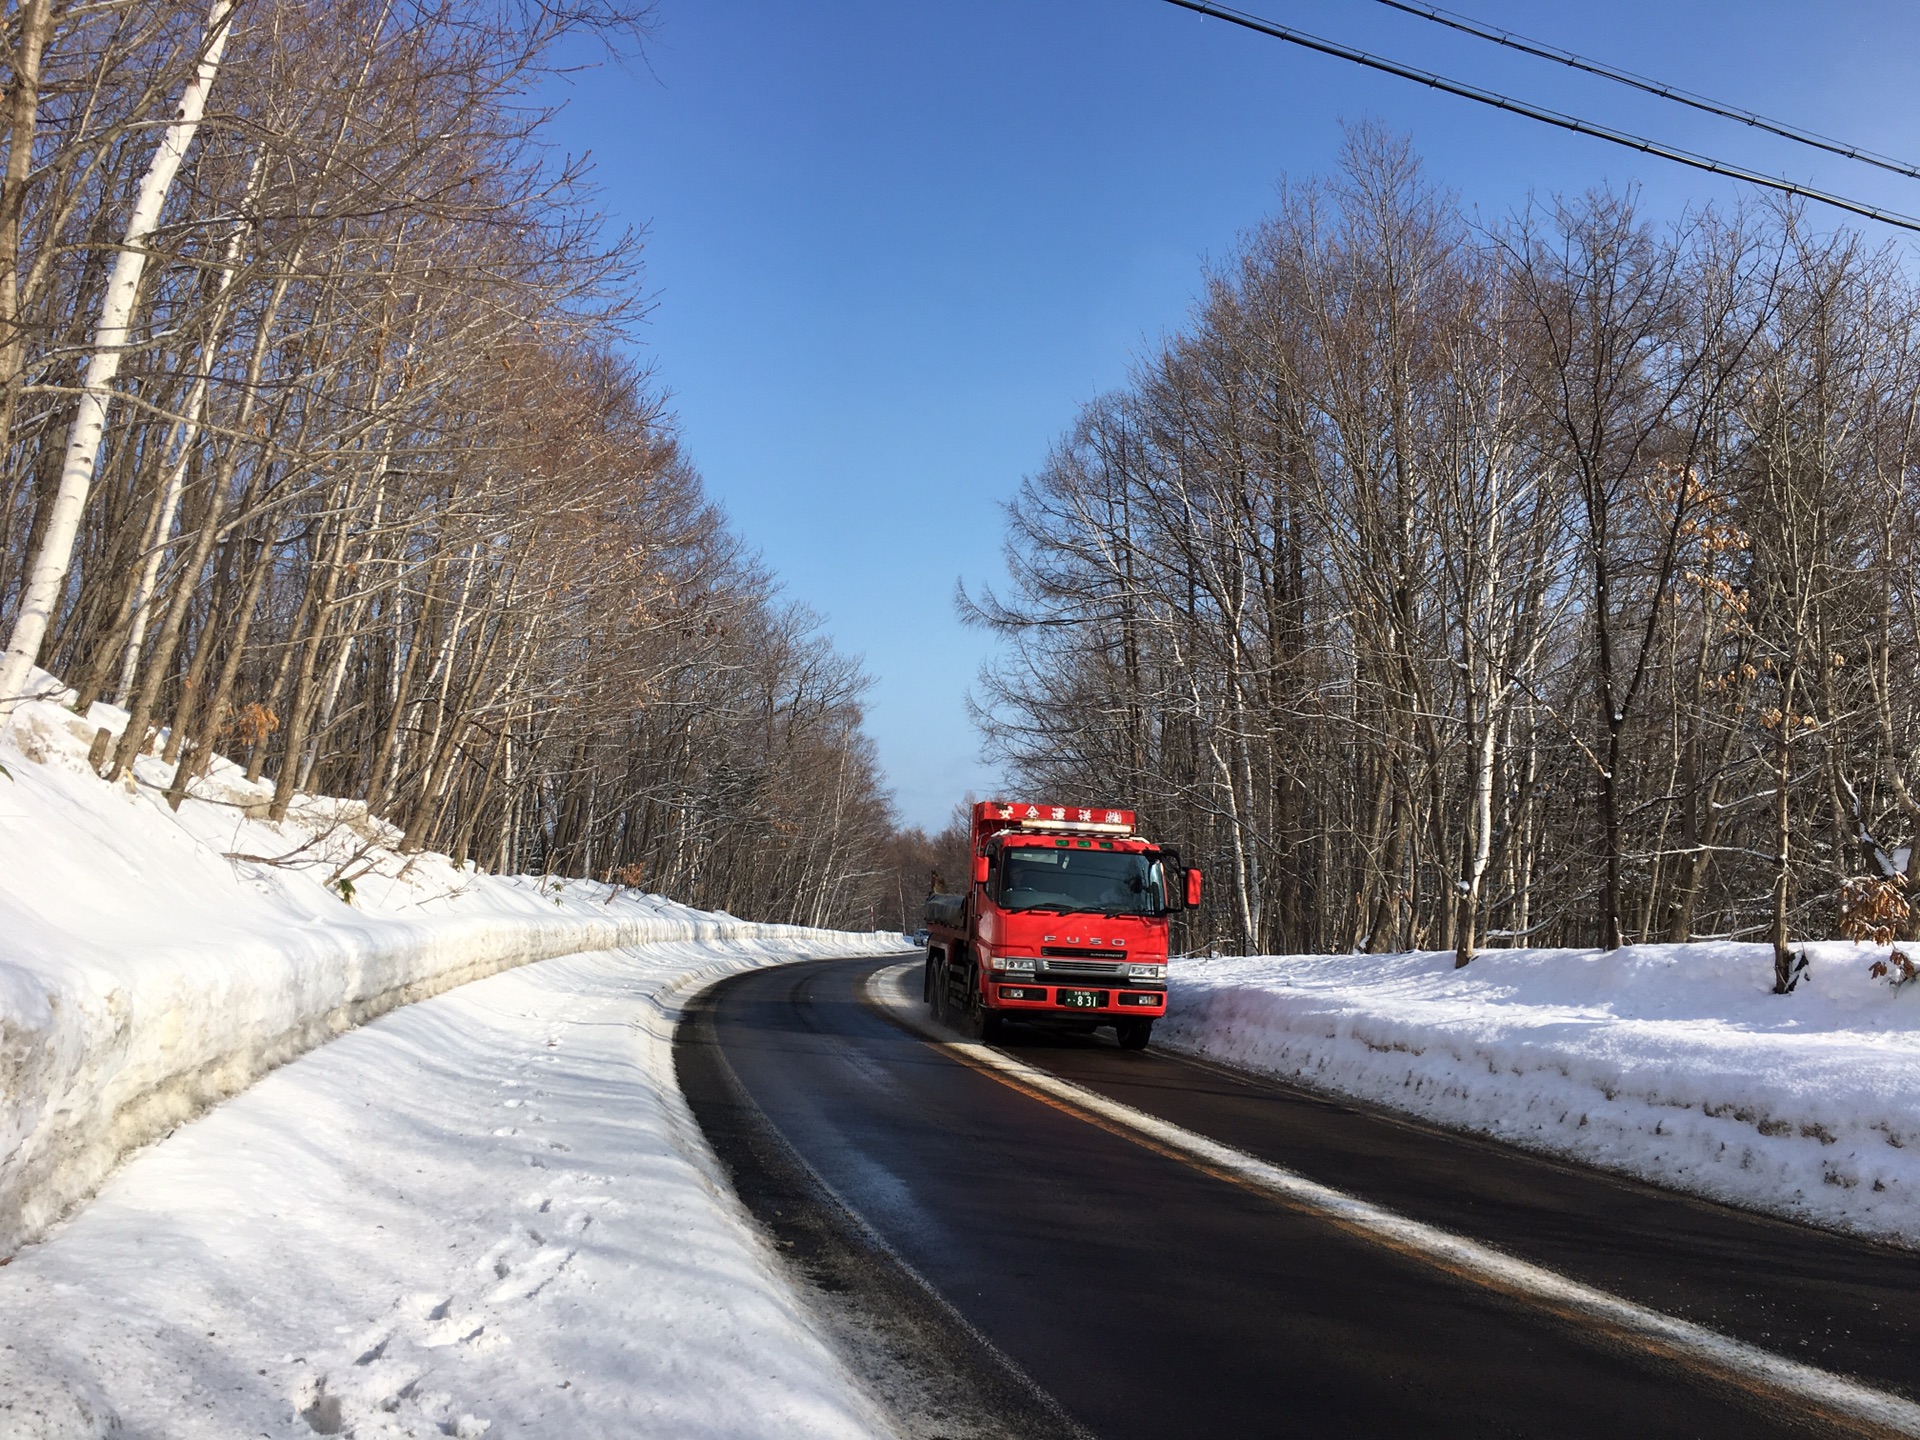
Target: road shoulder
[(932, 1372)]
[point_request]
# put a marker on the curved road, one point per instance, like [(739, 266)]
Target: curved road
[(1110, 1285)]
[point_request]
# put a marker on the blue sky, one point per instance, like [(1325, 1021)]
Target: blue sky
[(893, 245)]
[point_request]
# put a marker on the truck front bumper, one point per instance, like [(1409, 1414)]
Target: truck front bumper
[(1039, 998)]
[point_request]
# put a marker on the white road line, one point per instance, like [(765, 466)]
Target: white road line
[(1682, 1339)]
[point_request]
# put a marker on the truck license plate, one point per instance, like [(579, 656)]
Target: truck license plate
[(1079, 999)]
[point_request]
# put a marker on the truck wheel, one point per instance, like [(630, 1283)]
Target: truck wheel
[(1133, 1034), (961, 996), (979, 1023), (926, 980)]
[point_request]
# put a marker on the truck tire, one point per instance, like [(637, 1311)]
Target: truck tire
[(992, 1031), (938, 971), (981, 1023), (926, 979), (956, 991), (1133, 1034)]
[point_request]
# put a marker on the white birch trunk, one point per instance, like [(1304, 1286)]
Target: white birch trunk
[(189, 437), (49, 575)]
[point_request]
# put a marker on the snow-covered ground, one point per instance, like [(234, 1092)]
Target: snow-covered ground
[(152, 964), (1674, 1063), (487, 1213)]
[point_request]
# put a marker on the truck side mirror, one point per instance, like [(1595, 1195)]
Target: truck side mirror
[(979, 869), (1193, 886)]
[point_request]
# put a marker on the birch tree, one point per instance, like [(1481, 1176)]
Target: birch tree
[(108, 348)]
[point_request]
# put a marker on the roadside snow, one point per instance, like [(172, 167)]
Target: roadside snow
[(152, 964), (1670, 1062), (489, 1213)]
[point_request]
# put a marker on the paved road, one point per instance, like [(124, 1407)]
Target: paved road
[(1150, 1298)]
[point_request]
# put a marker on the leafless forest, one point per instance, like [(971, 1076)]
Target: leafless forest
[(324, 450), (1451, 584)]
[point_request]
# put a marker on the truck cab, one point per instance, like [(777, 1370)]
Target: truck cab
[(1064, 923)]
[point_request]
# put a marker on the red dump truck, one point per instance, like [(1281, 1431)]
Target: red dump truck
[(1064, 923)]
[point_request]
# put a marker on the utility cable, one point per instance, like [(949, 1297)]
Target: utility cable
[(1545, 116), (1543, 51)]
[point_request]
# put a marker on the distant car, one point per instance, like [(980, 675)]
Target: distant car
[(918, 939)]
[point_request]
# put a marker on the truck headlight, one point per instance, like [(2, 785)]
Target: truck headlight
[(1018, 964), (1146, 972)]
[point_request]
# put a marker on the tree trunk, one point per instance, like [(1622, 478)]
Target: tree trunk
[(191, 418), (47, 580), (213, 708), (300, 709), (35, 23)]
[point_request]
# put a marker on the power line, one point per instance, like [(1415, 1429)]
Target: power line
[(1543, 51), (1545, 116)]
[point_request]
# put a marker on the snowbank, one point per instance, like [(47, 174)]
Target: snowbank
[(1670, 1062), (152, 964), (488, 1213)]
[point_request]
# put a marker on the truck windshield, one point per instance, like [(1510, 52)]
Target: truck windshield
[(1107, 881)]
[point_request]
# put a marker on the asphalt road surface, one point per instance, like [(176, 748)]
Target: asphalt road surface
[(1074, 1277)]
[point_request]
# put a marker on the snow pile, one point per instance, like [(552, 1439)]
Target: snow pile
[(152, 964), (1674, 1063), (486, 1214)]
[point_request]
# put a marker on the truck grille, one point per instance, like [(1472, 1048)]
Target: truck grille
[(1105, 969), (1067, 952)]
